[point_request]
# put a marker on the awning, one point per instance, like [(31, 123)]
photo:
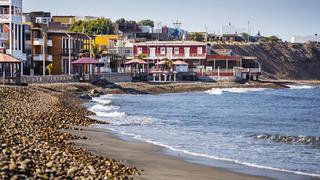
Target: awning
[(86, 61), (180, 63), (5, 58), (136, 61)]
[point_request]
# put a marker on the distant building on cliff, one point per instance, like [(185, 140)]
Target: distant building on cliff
[(306, 39)]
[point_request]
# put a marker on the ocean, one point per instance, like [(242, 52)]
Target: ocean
[(264, 128)]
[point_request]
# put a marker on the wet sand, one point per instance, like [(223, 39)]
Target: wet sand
[(148, 158)]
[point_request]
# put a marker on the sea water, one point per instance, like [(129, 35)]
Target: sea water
[(264, 128)]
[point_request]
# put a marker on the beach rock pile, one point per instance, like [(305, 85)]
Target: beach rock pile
[(33, 144)]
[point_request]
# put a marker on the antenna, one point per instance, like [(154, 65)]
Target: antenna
[(177, 25)]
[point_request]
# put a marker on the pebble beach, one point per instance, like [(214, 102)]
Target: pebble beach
[(33, 145)]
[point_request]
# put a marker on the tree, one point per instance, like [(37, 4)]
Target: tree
[(245, 36), (95, 27), (124, 21), (197, 37), (269, 39), (146, 22)]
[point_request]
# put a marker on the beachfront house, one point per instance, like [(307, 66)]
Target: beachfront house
[(160, 54), (221, 64)]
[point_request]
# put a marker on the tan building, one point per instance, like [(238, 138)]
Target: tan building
[(60, 50)]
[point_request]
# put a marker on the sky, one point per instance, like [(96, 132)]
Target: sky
[(284, 18)]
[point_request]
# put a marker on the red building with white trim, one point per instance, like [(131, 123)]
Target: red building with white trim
[(193, 53)]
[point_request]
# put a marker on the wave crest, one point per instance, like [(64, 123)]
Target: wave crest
[(306, 140), (219, 91)]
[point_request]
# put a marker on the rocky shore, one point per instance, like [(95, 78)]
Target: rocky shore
[(33, 144)]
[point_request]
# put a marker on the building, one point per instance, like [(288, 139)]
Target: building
[(66, 45), (221, 64), (39, 17), (66, 21), (191, 52), (306, 39), (11, 29)]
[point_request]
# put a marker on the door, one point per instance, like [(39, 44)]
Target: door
[(186, 52), (170, 53), (152, 53)]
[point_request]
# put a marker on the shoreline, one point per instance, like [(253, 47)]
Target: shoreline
[(150, 158), (170, 164), (61, 110)]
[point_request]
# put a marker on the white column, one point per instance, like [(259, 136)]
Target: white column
[(18, 36), (21, 39), (14, 37)]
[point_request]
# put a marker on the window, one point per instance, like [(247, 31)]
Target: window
[(176, 51), (163, 51), (140, 51), (199, 50)]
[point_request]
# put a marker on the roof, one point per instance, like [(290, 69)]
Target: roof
[(180, 63), (170, 43), (223, 57), (86, 60), (5, 58), (136, 61)]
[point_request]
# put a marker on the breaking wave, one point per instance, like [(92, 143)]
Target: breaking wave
[(306, 140), (302, 87), (219, 91)]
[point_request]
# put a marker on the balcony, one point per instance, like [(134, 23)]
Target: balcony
[(39, 58), (16, 3), (39, 42), (5, 18)]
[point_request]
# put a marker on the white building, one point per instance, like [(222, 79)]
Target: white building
[(306, 39), (11, 28)]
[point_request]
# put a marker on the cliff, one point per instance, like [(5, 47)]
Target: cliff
[(283, 60)]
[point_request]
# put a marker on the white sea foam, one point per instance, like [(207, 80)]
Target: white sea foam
[(102, 101), (110, 114), (302, 87), (138, 137), (219, 91), (102, 108)]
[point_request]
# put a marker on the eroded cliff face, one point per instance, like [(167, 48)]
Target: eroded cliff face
[(283, 60)]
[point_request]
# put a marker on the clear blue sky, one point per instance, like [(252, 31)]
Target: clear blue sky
[(284, 18)]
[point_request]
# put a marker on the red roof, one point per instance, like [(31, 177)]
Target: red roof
[(86, 60), (223, 57)]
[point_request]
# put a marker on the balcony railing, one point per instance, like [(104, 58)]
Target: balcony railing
[(4, 18), (180, 55), (39, 42), (39, 58)]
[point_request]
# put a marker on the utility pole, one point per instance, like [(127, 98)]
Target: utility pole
[(248, 31)]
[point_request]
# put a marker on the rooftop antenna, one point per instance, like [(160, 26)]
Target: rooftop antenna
[(177, 25)]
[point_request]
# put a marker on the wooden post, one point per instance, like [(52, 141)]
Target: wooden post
[(227, 65), (4, 73)]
